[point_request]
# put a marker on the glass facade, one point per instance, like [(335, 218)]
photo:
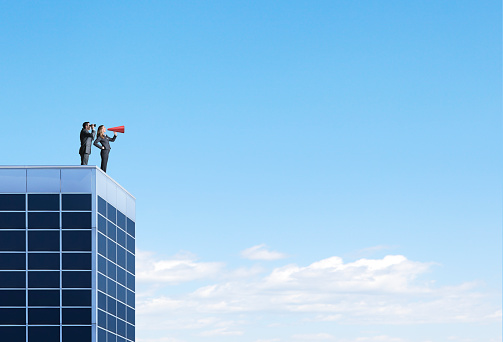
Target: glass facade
[(67, 256)]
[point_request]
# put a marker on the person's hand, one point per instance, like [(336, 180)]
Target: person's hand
[(102, 147), (115, 134)]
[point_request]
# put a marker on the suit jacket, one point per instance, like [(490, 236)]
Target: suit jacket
[(86, 139), (104, 142)]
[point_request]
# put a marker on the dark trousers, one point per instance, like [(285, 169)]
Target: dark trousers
[(84, 158), (104, 159)]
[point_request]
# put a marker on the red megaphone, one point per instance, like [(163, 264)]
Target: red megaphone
[(119, 129)]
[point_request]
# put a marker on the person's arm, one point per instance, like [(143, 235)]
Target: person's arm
[(113, 139), (89, 135), (97, 141)]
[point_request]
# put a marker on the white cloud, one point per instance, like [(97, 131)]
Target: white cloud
[(260, 252), (313, 337)]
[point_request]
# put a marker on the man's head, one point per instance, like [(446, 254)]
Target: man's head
[(86, 125)]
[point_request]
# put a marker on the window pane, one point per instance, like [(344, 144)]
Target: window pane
[(111, 213), (77, 220), (13, 202), (12, 316), (43, 202), (12, 298), (43, 334), (43, 261), (121, 328), (12, 241), (43, 180), (111, 323), (76, 201), (43, 316), (121, 238), (102, 335), (12, 261), (130, 262), (102, 245), (121, 276), (102, 224), (13, 334), (121, 310), (43, 279), (130, 298), (43, 297), (102, 265), (111, 230), (102, 206), (111, 288), (130, 332), (102, 282), (43, 241), (111, 250), (111, 305), (121, 220), (13, 220), (12, 279), (130, 281), (76, 279), (76, 298), (77, 316), (43, 220), (121, 256), (76, 241), (130, 244), (102, 301), (111, 270), (102, 319), (130, 315), (111, 337), (77, 261), (130, 227), (121, 293), (76, 334)]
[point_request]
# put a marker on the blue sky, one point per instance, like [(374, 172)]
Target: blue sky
[(265, 137)]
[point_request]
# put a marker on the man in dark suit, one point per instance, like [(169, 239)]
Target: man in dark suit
[(86, 140)]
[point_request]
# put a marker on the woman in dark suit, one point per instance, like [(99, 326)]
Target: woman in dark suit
[(104, 140)]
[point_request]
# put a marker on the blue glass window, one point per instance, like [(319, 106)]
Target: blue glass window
[(111, 252), (43, 202), (111, 289), (76, 279), (121, 237), (43, 297), (120, 339), (111, 323), (130, 227), (77, 220), (112, 337), (12, 261), (102, 282), (12, 298), (43, 241), (121, 220), (12, 202), (121, 276), (13, 334), (121, 256), (102, 206), (102, 335), (76, 201), (12, 316), (111, 213), (12, 279), (76, 298), (43, 334), (102, 301), (121, 310), (43, 279), (77, 241), (111, 306), (12, 241), (121, 328), (77, 261), (130, 281), (130, 262), (102, 319), (77, 316), (130, 298), (130, 244), (13, 220), (43, 220), (102, 245), (111, 270), (102, 224), (76, 334), (111, 230), (102, 264), (130, 332), (43, 316), (121, 293), (130, 315), (43, 261)]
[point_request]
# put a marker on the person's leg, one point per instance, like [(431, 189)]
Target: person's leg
[(84, 159), (104, 160)]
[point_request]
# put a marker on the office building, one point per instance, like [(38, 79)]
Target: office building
[(67, 256)]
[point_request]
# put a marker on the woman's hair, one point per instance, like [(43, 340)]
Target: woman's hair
[(101, 131)]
